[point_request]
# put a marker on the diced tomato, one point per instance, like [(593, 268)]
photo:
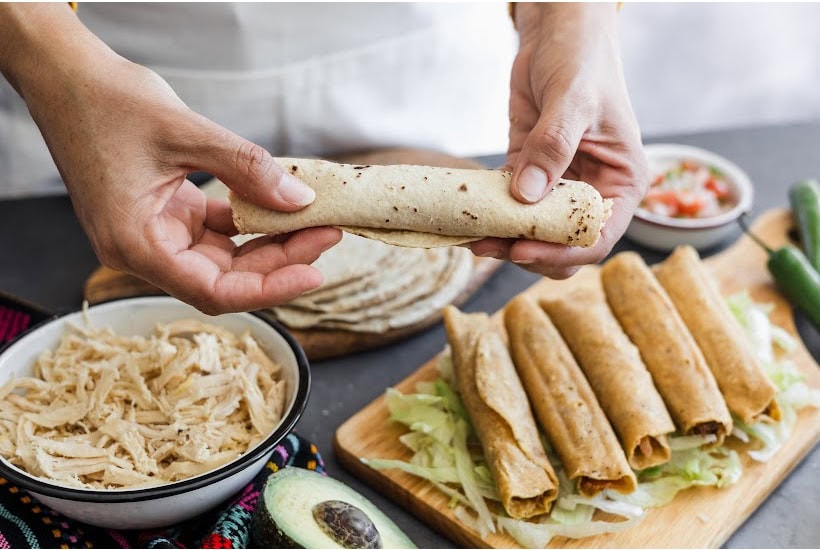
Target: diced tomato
[(718, 188), (689, 205), (658, 180), (688, 166), (668, 199)]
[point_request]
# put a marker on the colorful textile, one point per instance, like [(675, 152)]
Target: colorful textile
[(25, 523)]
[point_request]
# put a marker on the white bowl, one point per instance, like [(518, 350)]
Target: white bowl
[(664, 233), (173, 502)]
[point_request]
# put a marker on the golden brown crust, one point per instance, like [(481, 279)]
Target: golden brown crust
[(745, 386), (670, 353), (564, 402), (613, 366), (500, 414)]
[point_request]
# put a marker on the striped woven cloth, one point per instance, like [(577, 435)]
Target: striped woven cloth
[(25, 523)]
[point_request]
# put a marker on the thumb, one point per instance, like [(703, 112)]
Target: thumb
[(545, 156), (247, 169)]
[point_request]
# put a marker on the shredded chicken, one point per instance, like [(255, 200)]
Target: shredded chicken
[(104, 411)]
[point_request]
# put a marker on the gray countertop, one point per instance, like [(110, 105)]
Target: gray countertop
[(46, 258)]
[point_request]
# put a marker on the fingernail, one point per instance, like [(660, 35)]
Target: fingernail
[(292, 190), (532, 183), (524, 261)]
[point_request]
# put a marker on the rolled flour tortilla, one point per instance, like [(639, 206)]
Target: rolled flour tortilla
[(500, 413), (748, 391), (426, 207), (618, 376), (564, 402), (672, 356)]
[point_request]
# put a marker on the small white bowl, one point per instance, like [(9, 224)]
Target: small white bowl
[(170, 503), (664, 233)]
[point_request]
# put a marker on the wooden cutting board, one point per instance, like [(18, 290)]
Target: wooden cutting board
[(700, 517), (107, 284)]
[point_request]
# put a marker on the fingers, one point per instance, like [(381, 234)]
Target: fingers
[(246, 168), (558, 261), (266, 254), (195, 279), (218, 217), (492, 247), (547, 152)]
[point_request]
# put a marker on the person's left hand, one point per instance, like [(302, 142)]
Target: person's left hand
[(570, 116)]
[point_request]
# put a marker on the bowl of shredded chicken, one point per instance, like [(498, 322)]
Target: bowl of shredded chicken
[(147, 406)]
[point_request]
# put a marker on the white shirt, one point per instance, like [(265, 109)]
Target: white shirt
[(305, 79)]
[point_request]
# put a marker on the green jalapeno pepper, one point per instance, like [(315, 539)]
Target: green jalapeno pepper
[(804, 197), (794, 276)]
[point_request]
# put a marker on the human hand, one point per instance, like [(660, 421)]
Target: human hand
[(124, 143), (570, 116)]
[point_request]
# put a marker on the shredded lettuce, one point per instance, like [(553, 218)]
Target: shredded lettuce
[(686, 468), (440, 438), (684, 442), (766, 339), (444, 449)]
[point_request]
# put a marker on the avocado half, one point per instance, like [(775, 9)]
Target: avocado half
[(300, 508)]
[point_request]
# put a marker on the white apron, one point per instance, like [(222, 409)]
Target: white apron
[(303, 79)]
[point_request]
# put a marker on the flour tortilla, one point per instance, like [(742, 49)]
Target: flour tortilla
[(392, 281), (351, 261), (410, 306), (399, 290), (423, 206), (500, 413)]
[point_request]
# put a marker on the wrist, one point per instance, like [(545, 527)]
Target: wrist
[(38, 42), (578, 17)]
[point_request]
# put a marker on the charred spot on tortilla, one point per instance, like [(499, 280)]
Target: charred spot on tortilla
[(462, 187)]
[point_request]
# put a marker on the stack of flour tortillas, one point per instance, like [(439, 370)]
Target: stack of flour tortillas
[(371, 286)]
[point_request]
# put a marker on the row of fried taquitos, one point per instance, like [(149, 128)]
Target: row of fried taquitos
[(633, 358)]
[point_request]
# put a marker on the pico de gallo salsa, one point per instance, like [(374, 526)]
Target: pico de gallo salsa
[(688, 190)]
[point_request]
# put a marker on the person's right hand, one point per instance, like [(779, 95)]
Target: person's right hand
[(124, 143)]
